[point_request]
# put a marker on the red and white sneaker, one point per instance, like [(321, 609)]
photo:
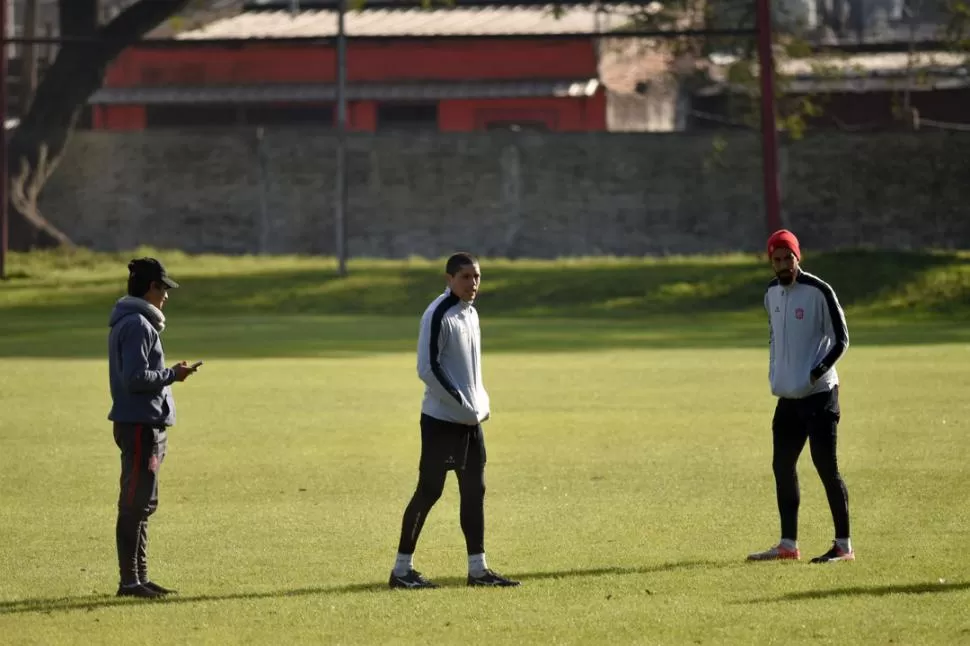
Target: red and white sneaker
[(835, 554), (777, 553)]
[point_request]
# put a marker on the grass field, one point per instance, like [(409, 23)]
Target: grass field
[(629, 457)]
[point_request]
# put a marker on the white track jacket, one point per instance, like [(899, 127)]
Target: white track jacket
[(808, 336), (450, 362)]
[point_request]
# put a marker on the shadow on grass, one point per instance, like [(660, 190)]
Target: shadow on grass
[(93, 602), (621, 571), (525, 307), (294, 336), (869, 591), (581, 289)]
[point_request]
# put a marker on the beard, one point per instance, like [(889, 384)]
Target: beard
[(785, 276)]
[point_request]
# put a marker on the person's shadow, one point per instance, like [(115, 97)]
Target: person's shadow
[(94, 601), (868, 591)]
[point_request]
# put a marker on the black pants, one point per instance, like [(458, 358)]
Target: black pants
[(446, 446), (143, 449), (815, 419)]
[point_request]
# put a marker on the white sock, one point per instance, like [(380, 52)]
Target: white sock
[(789, 544), (476, 564), (403, 564), (845, 544)]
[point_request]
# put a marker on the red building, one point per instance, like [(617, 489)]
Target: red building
[(277, 68)]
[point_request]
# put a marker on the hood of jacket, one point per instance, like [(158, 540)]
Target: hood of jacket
[(133, 305)]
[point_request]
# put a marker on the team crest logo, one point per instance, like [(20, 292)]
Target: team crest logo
[(799, 314)]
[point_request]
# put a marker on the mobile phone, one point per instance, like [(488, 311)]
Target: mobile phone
[(195, 365)]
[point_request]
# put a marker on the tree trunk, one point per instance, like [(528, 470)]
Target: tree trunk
[(38, 143)]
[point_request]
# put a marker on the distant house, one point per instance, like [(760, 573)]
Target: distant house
[(846, 22), (854, 91), (279, 68)]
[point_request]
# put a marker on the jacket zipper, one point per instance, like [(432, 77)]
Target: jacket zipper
[(784, 331)]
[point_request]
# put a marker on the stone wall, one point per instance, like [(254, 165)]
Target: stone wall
[(512, 194)]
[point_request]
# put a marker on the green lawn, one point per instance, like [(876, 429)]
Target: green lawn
[(629, 457)]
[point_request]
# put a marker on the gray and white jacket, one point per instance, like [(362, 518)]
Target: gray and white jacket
[(808, 336), (450, 362)]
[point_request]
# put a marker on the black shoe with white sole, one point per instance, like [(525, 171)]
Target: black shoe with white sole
[(138, 590), (490, 578), (413, 580)]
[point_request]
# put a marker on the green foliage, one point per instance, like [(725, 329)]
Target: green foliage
[(180, 21), (715, 159), (957, 30), (742, 75), (791, 40)]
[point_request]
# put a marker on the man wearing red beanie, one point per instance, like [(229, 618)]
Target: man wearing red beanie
[(808, 336)]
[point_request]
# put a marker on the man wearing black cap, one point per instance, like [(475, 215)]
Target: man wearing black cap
[(142, 410)]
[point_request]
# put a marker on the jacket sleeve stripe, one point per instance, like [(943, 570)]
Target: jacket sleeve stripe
[(839, 326), (767, 304), (436, 318)]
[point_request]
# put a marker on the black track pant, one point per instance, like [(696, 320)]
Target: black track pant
[(815, 419), (143, 449), (445, 447)]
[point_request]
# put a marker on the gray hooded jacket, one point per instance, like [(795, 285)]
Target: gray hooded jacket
[(140, 383)]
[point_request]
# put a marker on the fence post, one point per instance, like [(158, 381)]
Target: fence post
[(263, 190), (769, 128)]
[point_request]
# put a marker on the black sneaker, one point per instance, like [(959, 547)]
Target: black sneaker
[(835, 554), (151, 585), (412, 580), (491, 578), (138, 590)]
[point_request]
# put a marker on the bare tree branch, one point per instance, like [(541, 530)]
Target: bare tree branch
[(38, 143)]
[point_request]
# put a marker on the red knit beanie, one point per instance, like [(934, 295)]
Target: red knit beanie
[(784, 238)]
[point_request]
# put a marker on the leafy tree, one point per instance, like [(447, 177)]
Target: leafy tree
[(38, 142)]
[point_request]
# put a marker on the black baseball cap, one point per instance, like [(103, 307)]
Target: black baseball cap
[(151, 269)]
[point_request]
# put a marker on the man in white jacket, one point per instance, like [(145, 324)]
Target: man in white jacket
[(454, 407), (808, 336)]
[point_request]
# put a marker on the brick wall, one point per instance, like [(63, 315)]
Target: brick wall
[(505, 193)]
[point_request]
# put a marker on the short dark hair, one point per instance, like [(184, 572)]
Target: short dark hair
[(459, 260), (138, 285), (142, 272)]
